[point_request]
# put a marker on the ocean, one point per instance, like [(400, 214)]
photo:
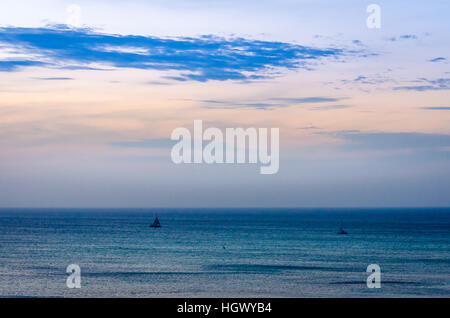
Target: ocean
[(225, 252)]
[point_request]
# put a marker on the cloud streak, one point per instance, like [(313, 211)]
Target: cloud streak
[(356, 140), (159, 143), (276, 102), (14, 65), (436, 108), (430, 85), (403, 37), (438, 59), (197, 59), (306, 100), (53, 78)]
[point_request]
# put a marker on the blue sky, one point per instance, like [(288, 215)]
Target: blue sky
[(86, 111)]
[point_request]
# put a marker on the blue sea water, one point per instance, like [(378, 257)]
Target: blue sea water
[(225, 252)]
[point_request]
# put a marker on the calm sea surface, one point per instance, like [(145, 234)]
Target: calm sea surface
[(225, 252)]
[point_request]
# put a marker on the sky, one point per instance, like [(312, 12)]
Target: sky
[(90, 92)]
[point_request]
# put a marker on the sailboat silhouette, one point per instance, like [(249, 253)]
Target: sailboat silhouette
[(156, 222), (341, 230)]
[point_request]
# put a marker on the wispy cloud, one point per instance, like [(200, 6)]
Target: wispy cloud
[(357, 140), (53, 78), (436, 108), (404, 37), (145, 143), (158, 83), (368, 80), (330, 107), (306, 100), (310, 127), (408, 36), (197, 59), (430, 85), (211, 104), (438, 59), (13, 65), (276, 102)]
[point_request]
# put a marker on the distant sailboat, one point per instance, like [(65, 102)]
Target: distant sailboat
[(156, 223), (341, 230)]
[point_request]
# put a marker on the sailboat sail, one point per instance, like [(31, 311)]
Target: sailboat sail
[(156, 223), (341, 230)]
